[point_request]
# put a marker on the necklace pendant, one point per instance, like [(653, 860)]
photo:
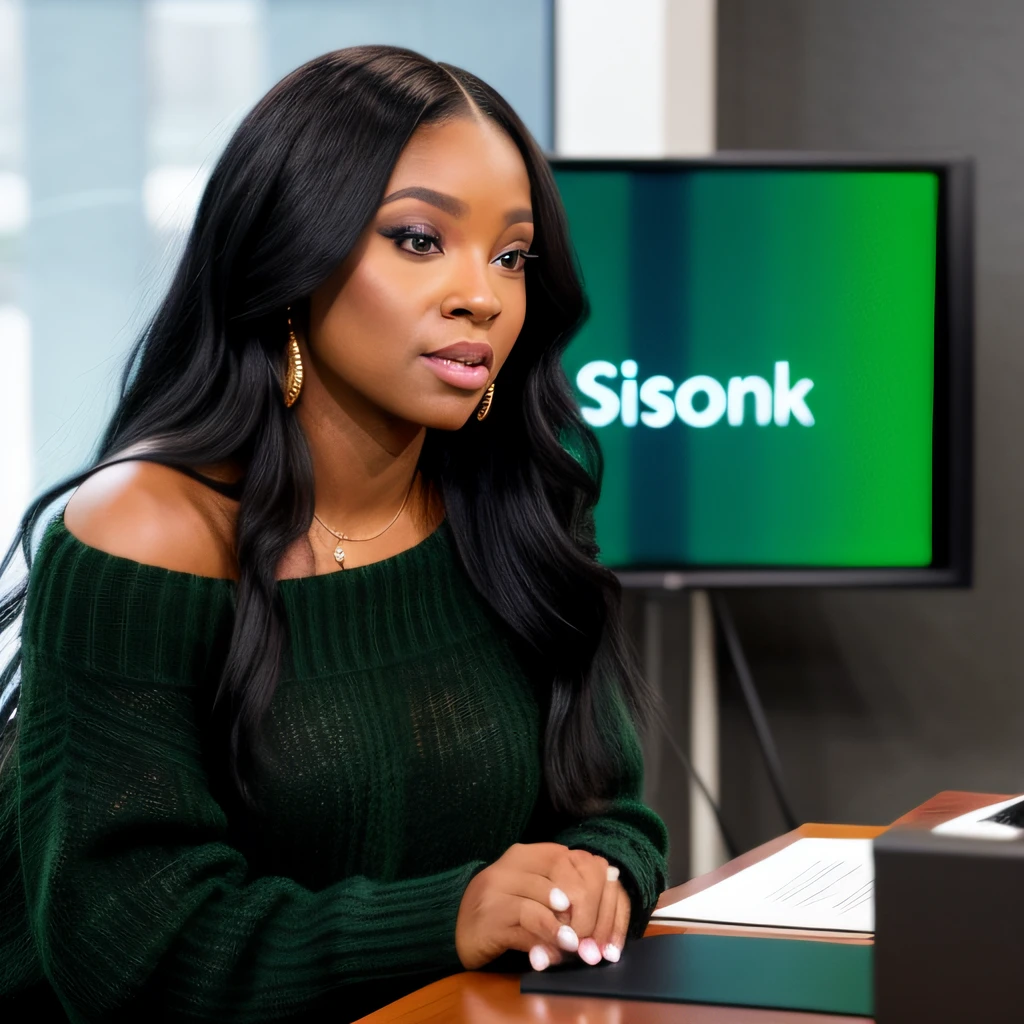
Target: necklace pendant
[(339, 556)]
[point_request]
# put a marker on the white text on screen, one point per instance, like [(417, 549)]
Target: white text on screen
[(776, 404)]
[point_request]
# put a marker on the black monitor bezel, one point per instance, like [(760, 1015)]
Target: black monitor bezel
[(953, 426)]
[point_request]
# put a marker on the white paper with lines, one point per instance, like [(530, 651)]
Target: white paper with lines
[(822, 884)]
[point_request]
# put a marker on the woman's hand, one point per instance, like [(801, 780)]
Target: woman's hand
[(526, 900), (512, 903), (608, 935)]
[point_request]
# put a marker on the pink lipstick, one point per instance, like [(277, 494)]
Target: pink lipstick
[(466, 364)]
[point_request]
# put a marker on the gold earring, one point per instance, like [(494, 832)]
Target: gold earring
[(293, 378), (485, 405)]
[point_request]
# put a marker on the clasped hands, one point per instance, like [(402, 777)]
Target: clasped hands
[(547, 900)]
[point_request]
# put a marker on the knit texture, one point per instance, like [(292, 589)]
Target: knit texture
[(403, 755)]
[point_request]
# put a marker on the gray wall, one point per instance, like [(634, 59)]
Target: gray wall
[(880, 699)]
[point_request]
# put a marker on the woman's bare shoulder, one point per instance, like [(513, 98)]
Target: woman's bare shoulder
[(155, 515)]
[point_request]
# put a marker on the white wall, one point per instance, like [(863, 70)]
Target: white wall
[(634, 79)]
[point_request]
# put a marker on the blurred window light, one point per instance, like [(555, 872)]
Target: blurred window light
[(205, 70), (14, 204), (15, 420), (205, 12), (14, 192), (171, 195), (15, 453), (15, 354), (12, 89)]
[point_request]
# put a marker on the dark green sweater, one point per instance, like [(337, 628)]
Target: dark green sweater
[(404, 756)]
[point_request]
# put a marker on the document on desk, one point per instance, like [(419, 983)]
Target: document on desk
[(819, 884)]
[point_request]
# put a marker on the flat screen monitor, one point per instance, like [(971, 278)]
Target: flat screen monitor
[(777, 365)]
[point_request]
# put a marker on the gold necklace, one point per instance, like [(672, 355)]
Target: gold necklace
[(339, 551)]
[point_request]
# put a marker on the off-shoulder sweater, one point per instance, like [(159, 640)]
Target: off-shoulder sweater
[(403, 756)]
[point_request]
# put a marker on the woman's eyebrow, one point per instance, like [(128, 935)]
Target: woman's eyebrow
[(520, 216), (443, 201), (452, 206)]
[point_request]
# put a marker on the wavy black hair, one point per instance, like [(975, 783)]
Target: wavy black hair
[(298, 183)]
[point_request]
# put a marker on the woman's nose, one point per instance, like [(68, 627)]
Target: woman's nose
[(471, 294)]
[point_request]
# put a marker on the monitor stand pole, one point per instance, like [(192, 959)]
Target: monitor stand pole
[(707, 850)]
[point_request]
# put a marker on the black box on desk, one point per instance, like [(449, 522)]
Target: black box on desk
[(949, 928)]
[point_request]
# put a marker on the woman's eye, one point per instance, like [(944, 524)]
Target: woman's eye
[(422, 245), (516, 257)]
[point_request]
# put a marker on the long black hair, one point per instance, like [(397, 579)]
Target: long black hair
[(297, 184)]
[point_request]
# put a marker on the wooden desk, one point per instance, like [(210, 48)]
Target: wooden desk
[(478, 997)]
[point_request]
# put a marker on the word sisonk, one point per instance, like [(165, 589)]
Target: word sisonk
[(771, 404)]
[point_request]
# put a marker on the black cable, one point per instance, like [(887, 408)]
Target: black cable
[(730, 845), (754, 706)]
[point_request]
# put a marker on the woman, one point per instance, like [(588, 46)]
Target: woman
[(323, 695)]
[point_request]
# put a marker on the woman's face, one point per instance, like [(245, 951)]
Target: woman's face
[(441, 263)]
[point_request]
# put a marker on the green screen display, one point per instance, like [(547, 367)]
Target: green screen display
[(759, 363)]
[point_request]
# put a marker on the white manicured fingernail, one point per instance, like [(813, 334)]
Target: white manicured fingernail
[(590, 952), (558, 900), (613, 873), (568, 939), (612, 952), (539, 958)]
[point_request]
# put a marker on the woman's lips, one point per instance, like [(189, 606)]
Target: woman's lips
[(458, 374), (450, 363), (466, 351)]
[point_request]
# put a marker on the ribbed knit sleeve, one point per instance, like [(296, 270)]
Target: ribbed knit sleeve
[(629, 834), (134, 895)]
